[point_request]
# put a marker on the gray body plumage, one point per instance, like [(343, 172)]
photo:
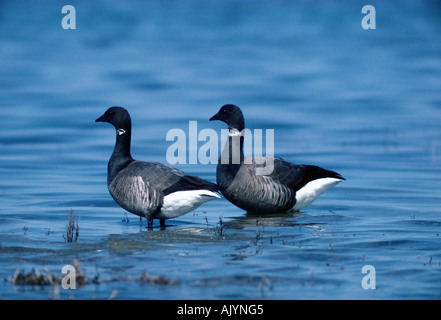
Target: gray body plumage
[(271, 193), (251, 192), (141, 186)]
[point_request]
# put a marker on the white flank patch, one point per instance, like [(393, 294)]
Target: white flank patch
[(310, 191), (180, 202)]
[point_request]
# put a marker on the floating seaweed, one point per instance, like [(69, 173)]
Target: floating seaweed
[(35, 278), (146, 278)]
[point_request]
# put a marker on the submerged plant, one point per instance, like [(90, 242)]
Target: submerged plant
[(47, 278), (220, 227), (145, 277), (72, 228), (34, 277), (265, 281)]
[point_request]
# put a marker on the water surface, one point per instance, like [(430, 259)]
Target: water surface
[(365, 103)]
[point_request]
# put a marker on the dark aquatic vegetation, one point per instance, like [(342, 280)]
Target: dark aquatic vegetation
[(35, 278), (146, 278), (72, 228), (220, 227)]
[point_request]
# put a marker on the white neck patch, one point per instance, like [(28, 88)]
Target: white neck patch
[(234, 133), (120, 131)]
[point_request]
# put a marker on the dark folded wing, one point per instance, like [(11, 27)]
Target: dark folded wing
[(296, 176), (168, 179)]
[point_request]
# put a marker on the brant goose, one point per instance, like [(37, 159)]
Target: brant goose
[(287, 187), (150, 189)]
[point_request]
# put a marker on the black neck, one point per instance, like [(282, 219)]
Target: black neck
[(230, 161), (233, 150), (121, 156)]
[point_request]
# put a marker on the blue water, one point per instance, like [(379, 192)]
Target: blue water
[(365, 103)]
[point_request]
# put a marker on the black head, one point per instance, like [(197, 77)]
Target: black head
[(117, 116), (231, 115)]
